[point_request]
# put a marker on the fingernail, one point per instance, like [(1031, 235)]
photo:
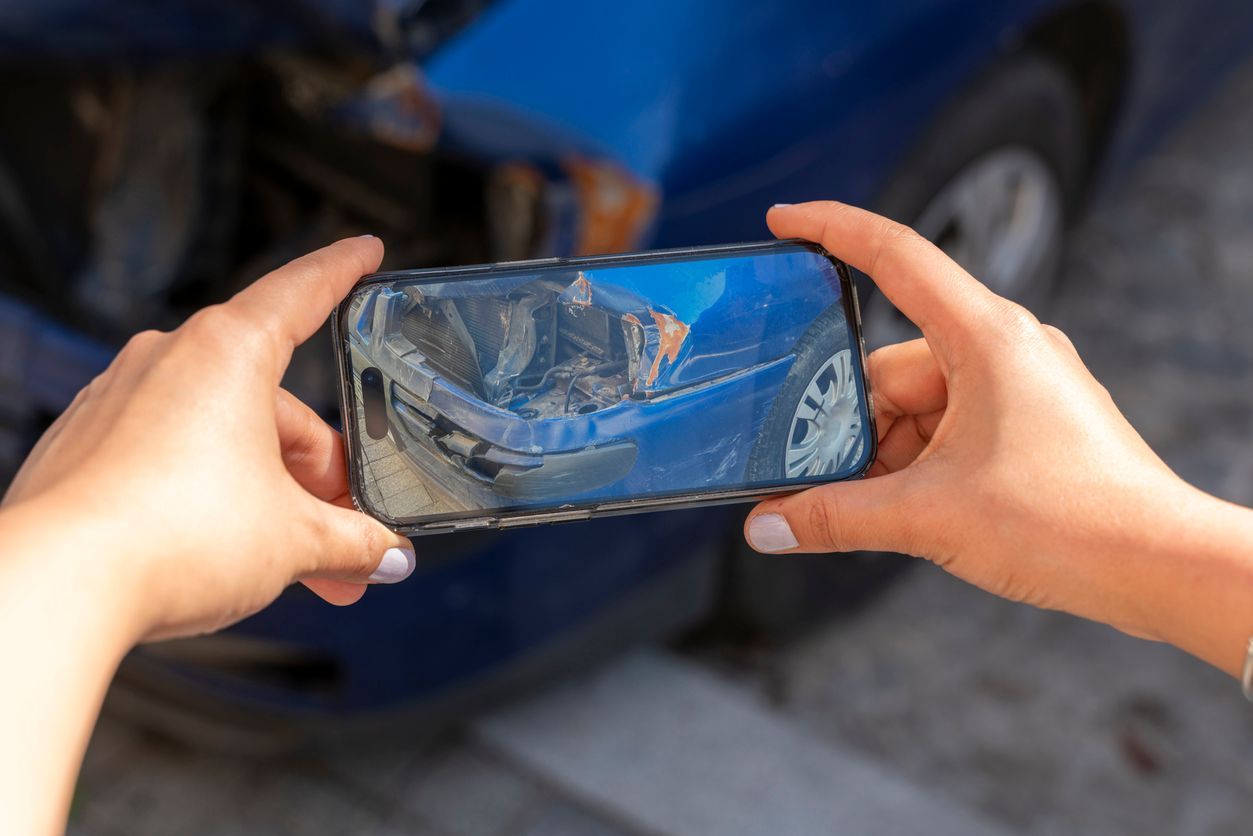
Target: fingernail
[(396, 565), (770, 533), (780, 205), (367, 235)]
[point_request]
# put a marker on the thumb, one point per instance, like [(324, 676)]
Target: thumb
[(867, 515), (351, 546)]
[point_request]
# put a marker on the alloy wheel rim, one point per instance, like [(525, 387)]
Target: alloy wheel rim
[(825, 433)]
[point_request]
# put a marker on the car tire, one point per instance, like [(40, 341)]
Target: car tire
[(1025, 102)]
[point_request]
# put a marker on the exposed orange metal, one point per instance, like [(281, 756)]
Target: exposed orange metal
[(581, 291), (615, 206), (671, 332)]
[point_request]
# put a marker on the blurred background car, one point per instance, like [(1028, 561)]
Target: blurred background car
[(155, 158)]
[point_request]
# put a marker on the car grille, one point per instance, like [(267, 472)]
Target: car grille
[(433, 334)]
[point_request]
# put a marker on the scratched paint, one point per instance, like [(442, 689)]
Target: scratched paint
[(671, 332), (580, 291)]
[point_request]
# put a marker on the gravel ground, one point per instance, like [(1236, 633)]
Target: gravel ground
[(1044, 723)]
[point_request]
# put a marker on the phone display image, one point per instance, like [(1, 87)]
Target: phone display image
[(559, 385)]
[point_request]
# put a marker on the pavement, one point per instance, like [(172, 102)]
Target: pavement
[(401, 492), (938, 709)]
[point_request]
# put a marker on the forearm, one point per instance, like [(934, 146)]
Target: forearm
[(64, 627)]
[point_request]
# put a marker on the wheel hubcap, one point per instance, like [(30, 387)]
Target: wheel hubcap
[(1001, 219), (826, 427)]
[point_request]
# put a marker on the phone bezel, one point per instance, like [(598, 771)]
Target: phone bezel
[(512, 518)]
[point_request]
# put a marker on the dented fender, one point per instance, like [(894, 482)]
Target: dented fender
[(699, 320)]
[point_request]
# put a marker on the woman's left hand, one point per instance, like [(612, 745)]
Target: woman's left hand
[(207, 488)]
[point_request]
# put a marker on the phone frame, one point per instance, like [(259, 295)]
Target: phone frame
[(518, 518)]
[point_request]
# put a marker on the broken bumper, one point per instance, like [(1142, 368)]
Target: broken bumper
[(431, 442), (441, 443)]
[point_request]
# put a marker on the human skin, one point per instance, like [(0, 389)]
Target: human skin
[(181, 491), (1003, 461)]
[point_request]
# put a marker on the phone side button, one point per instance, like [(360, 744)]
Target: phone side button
[(529, 262), (460, 525), (540, 519)]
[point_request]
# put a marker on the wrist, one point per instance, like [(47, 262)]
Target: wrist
[(1189, 578), (80, 563)]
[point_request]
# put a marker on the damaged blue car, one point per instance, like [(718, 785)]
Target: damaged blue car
[(156, 157), (604, 380)]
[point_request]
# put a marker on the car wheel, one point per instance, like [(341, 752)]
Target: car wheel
[(814, 426), (993, 183)]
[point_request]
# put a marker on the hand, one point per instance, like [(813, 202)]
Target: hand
[(207, 488), (1004, 461)]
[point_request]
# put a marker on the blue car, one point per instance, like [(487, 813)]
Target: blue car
[(156, 157)]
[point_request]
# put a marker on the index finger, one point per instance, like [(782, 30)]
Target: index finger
[(292, 302), (916, 276), (906, 380)]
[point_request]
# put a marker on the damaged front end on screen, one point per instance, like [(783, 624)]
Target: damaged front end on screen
[(506, 389), (546, 387)]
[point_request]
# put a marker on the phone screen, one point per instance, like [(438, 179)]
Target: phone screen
[(692, 375)]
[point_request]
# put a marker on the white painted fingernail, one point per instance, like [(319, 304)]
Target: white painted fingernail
[(780, 205), (770, 533), (396, 565)]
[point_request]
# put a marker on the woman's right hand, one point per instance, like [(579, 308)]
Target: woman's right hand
[(1004, 461)]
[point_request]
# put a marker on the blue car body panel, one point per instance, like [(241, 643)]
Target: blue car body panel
[(729, 108), (453, 623), (723, 107), (45, 361), (722, 103)]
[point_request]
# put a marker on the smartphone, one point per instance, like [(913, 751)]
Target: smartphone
[(545, 391)]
